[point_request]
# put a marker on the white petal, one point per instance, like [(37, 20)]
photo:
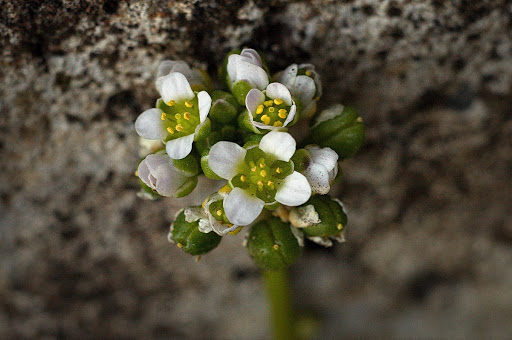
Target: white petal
[(318, 178), (278, 90), (287, 77), (280, 144), (168, 66), (180, 147), (163, 175), (264, 126), (143, 173), (254, 98), (324, 156), (175, 86), (255, 75), (242, 208), (304, 89), (204, 102), (225, 157), (252, 55), (149, 124), (291, 115), (295, 190)]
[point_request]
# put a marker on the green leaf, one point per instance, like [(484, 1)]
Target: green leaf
[(187, 236)]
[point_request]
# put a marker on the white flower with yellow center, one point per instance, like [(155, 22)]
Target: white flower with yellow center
[(270, 109), (259, 176), (304, 83), (198, 79), (247, 66), (179, 118)]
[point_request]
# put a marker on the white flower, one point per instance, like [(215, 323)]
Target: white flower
[(270, 109), (259, 176), (198, 79), (247, 66), (159, 173), (180, 117), (304, 83), (321, 168), (214, 213)]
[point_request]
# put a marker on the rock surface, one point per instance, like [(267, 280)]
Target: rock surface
[(429, 248)]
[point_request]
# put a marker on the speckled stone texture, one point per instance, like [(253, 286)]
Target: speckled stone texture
[(429, 250)]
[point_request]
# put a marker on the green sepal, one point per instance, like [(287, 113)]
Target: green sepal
[(285, 169), (301, 159), (272, 245), (343, 132), (272, 206), (203, 131), (332, 217), (298, 115), (245, 123), (204, 145), (224, 107), (240, 90), (251, 139), (206, 168), (186, 235), (187, 188), (188, 165)]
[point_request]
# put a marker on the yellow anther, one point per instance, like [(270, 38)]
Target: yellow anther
[(276, 247), (186, 115), (136, 173), (265, 119), (177, 116), (259, 109), (308, 73), (225, 189), (171, 102), (278, 170), (179, 127), (271, 109), (179, 245), (268, 103), (263, 173), (198, 258), (236, 231), (188, 104), (262, 164), (359, 120), (260, 184), (219, 212), (339, 226), (278, 123), (170, 130), (163, 116), (270, 183), (242, 178), (254, 168), (282, 113), (278, 101)]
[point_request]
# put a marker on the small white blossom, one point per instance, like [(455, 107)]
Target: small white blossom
[(259, 176), (272, 108), (321, 168), (159, 173), (247, 66), (198, 79), (181, 115)]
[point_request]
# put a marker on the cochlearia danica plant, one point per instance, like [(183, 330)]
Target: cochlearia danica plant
[(237, 130)]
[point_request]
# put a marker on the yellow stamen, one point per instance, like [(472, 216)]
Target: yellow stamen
[(219, 212), (270, 183), (136, 173), (265, 119), (278, 123), (170, 130), (262, 164), (254, 168), (259, 109), (278, 170), (234, 232), (188, 104), (339, 226), (198, 258), (276, 247), (268, 103), (177, 116), (260, 184), (171, 102), (225, 189), (242, 178), (308, 73), (179, 127), (278, 101), (359, 120), (271, 109), (179, 245), (282, 113), (263, 173), (163, 116), (186, 115)]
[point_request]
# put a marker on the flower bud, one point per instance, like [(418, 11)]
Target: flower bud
[(272, 244), (340, 128), (320, 219), (224, 107), (188, 236)]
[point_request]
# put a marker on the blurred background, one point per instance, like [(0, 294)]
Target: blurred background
[(429, 195)]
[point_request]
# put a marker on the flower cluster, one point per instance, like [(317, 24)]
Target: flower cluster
[(240, 134)]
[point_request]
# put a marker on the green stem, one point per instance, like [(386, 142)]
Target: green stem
[(278, 292)]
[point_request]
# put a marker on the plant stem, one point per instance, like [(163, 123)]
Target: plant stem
[(279, 297)]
